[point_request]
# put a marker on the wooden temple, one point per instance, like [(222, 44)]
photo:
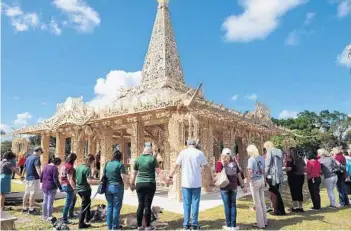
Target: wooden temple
[(162, 109)]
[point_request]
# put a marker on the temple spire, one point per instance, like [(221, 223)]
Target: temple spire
[(162, 67)]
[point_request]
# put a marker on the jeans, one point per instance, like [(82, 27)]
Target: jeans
[(314, 188), (330, 184), (191, 204), (48, 202), (340, 185), (146, 192), (70, 202), (257, 190), (229, 203), (85, 209), (114, 197)]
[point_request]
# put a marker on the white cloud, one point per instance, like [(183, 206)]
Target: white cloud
[(54, 27), (43, 103), (309, 17), (22, 119), (252, 97), (285, 114), (20, 20), (344, 8), (344, 59), (6, 128), (235, 97), (107, 89), (81, 16), (292, 39), (259, 19)]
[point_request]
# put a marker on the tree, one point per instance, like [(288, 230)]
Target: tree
[(314, 130), (35, 140), (2, 132), (5, 146)]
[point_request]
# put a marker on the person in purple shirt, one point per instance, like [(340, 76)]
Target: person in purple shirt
[(50, 184)]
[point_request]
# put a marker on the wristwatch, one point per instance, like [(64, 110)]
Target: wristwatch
[(170, 177)]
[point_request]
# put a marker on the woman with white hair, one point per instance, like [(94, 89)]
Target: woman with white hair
[(229, 192), (255, 177), (330, 177), (145, 167)]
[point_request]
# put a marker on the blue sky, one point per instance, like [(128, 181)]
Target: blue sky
[(289, 54)]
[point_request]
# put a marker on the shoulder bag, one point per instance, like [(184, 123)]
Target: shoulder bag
[(222, 180), (103, 182)]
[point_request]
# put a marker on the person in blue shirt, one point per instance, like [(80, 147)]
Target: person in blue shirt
[(32, 169)]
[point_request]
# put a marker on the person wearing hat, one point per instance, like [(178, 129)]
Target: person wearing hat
[(191, 160), (145, 167), (84, 178), (32, 169), (229, 192), (340, 184)]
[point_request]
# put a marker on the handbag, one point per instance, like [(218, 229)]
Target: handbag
[(222, 180), (103, 182)]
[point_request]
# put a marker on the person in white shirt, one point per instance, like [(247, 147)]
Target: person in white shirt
[(192, 160)]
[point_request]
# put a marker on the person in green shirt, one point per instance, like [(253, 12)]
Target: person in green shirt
[(83, 180), (145, 167), (115, 174)]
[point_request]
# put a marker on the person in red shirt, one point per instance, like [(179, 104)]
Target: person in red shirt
[(340, 184), (313, 170), (21, 162), (68, 183)]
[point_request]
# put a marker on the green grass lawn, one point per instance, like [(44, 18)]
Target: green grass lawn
[(326, 219)]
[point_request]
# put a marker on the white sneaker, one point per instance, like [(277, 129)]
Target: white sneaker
[(226, 227), (236, 228)]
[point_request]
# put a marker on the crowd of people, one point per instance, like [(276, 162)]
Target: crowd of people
[(263, 169)]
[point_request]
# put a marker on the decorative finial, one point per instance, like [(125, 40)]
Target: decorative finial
[(163, 1)]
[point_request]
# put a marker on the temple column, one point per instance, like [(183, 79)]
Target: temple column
[(137, 140), (45, 144), (166, 150), (245, 158), (106, 147), (78, 146), (60, 145), (207, 143), (176, 142), (227, 139), (122, 148), (91, 146)]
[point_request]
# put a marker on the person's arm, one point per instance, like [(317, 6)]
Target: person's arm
[(133, 178), (56, 179), (90, 178), (70, 178), (37, 167), (15, 170), (241, 181)]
